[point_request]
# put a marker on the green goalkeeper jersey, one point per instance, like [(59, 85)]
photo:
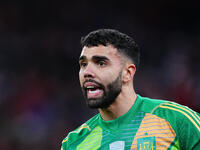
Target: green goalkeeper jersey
[(149, 125)]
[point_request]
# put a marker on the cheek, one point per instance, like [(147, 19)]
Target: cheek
[(109, 76), (80, 77), (114, 72)]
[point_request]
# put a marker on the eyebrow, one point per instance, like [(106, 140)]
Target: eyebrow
[(96, 57), (82, 58), (100, 58)]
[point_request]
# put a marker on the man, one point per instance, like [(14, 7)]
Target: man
[(126, 120)]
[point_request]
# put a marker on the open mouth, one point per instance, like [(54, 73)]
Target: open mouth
[(93, 90)]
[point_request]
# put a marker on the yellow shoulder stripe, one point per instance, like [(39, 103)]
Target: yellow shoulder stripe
[(184, 114), (197, 118), (197, 115), (65, 140)]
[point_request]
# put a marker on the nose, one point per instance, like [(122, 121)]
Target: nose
[(89, 72)]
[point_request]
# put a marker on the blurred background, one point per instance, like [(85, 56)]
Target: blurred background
[(40, 97)]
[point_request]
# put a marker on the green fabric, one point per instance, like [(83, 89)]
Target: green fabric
[(92, 141), (176, 146), (149, 124)]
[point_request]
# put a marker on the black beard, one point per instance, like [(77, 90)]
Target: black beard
[(110, 93)]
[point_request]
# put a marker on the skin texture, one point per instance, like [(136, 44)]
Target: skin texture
[(105, 65)]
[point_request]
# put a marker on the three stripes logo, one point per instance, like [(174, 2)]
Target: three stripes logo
[(187, 112)]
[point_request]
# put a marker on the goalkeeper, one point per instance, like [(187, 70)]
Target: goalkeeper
[(126, 120)]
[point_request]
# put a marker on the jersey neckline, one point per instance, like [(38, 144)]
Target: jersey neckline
[(118, 123)]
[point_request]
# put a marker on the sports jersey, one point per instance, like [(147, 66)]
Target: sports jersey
[(149, 125)]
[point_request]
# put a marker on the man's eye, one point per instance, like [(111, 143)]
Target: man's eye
[(101, 63), (83, 64)]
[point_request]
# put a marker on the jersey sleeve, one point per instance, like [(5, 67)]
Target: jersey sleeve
[(74, 136), (64, 144), (184, 121), (189, 130)]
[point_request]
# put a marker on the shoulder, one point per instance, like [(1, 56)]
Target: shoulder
[(148, 104), (182, 120), (80, 132), (174, 113), (178, 113)]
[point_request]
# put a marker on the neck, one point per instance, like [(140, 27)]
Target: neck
[(122, 104)]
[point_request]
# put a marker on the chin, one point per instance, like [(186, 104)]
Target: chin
[(99, 103)]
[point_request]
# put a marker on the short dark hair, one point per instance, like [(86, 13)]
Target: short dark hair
[(122, 42)]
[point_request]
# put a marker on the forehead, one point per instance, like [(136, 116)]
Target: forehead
[(108, 51)]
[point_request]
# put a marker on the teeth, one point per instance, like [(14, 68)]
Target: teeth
[(90, 87), (92, 92)]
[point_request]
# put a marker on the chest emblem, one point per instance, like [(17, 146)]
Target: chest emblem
[(146, 143)]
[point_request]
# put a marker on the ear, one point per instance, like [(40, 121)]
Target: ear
[(128, 72)]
